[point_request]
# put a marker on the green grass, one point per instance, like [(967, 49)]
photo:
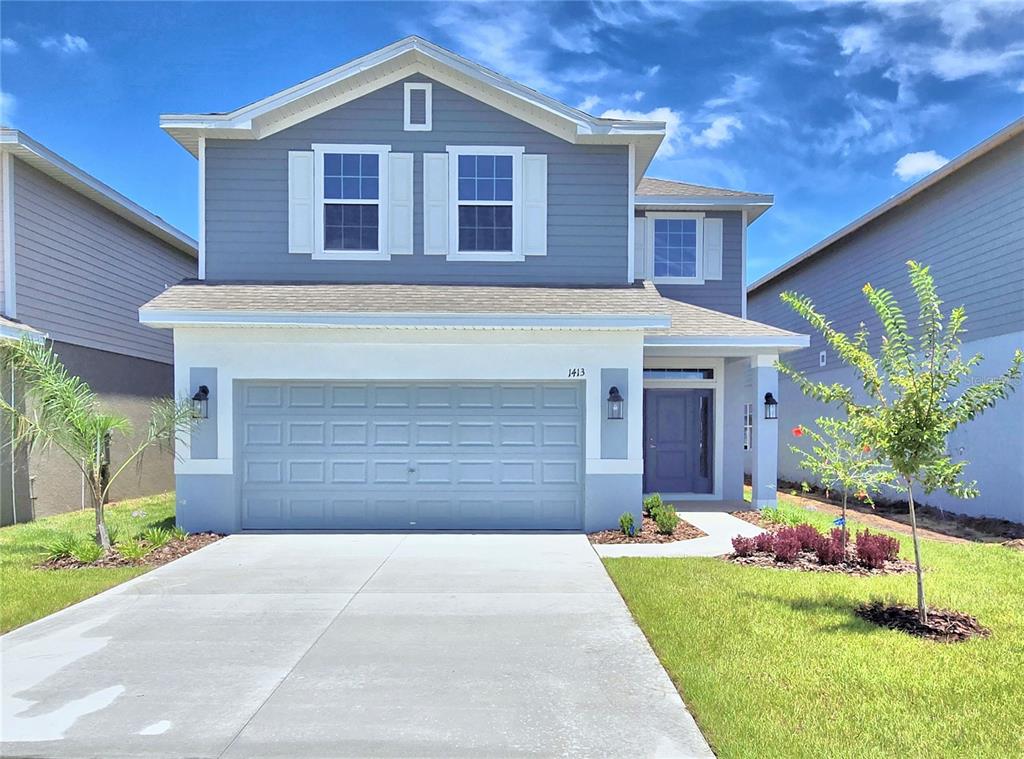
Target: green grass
[(27, 594), (775, 663)]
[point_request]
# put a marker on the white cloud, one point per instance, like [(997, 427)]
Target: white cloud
[(7, 45), (652, 70), (860, 39), (1020, 87), (588, 103), (953, 65), (741, 88), (8, 104), (674, 131), (638, 95), (915, 165), (721, 131), (68, 44)]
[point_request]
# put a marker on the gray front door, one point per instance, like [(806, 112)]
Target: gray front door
[(342, 455), (678, 427)]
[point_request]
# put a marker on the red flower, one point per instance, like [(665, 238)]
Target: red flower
[(866, 449), (798, 431), (861, 495)]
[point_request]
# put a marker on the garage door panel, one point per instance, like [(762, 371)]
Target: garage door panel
[(336, 455)]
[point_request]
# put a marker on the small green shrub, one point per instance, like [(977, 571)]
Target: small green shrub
[(626, 524), (157, 536), (133, 550), (87, 551), (179, 533), (783, 515), (61, 545), (666, 519), (653, 503)]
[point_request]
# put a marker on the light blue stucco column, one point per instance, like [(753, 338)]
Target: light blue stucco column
[(764, 473)]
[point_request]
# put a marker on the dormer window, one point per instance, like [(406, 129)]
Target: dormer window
[(418, 107)]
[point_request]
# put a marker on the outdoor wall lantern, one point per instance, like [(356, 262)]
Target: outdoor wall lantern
[(201, 403), (771, 407), (614, 403)]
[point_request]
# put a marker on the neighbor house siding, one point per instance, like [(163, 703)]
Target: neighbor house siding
[(725, 294), (82, 271), (969, 228), (247, 197)]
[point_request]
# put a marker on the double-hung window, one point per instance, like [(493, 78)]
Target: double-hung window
[(486, 218), (351, 188), (677, 244)]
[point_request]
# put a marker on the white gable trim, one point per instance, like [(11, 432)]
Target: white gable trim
[(394, 63)]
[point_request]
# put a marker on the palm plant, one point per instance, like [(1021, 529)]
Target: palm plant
[(61, 411), (914, 392)]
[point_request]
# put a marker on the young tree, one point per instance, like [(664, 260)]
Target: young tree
[(840, 461), (62, 411), (914, 394)]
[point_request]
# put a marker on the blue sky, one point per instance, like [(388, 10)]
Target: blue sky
[(831, 107)]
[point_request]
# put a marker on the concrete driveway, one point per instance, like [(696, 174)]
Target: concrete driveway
[(348, 645)]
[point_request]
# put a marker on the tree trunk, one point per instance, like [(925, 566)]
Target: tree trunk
[(102, 536), (922, 610)]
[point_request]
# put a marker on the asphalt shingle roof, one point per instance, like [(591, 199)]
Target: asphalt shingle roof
[(667, 187), (638, 299)]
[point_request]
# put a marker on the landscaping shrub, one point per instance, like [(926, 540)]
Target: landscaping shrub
[(765, 542), (653, 503), (666, 519), (830, 548), (782, 515), (742, 546), (157, 536), (787, 545), (874, 549), (626, 524), (133, 550), (179, 533), (808, 536), (78, 547), (87, 551)]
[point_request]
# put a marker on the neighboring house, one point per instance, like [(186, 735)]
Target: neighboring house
[(966, 221), (78, 260), (432, 298)]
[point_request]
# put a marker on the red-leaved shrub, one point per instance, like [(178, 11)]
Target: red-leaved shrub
[(873, 549), (830, 548), (787, 545), (765, 542), (808, 536), (742, 546)]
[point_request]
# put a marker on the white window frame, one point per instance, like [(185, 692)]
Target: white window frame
[(428, 97), (696, 216), (748, 426), (516, 153), (381, 253)]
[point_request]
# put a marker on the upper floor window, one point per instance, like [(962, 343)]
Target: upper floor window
[(676, 242), (486, 203), (418, 107), (350, 212)]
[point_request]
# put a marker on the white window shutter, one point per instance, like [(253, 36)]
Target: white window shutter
[(535, 205), (640, 269), (300, 201), (400, 204), (712, 248), (435, 203)]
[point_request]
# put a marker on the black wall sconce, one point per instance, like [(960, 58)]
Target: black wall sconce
[(771, 407), (615, 400), (201, 403)]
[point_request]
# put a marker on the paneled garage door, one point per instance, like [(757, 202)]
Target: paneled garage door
[(339, 455)]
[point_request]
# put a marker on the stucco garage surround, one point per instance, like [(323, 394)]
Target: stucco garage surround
[(540, 368)]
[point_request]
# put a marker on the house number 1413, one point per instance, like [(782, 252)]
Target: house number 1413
[(578, 371)]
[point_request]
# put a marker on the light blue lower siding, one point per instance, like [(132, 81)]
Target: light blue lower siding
[(608, 496), (207, 503)]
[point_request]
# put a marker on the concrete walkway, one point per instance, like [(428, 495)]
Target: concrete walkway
[(721, 527), (348, 645)]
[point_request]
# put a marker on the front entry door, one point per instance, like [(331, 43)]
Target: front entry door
[(678, 439)]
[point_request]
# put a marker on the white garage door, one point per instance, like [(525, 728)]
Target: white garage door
[(340, 455)]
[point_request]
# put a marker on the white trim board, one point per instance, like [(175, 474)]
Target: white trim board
[(10, 293)]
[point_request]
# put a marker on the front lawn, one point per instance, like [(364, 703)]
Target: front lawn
[(775, 663), (27, 594)]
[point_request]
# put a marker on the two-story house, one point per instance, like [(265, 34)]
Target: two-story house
[(965, 221), (430, 297), (79, 258)]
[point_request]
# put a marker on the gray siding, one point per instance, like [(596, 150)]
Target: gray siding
[(81, 271), (725, 294), (247, 192), (969, 228)]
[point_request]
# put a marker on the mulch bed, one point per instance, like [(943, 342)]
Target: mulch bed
[(806, 561), (753, 516), (944, 625), (168, 552), (648, 533)]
